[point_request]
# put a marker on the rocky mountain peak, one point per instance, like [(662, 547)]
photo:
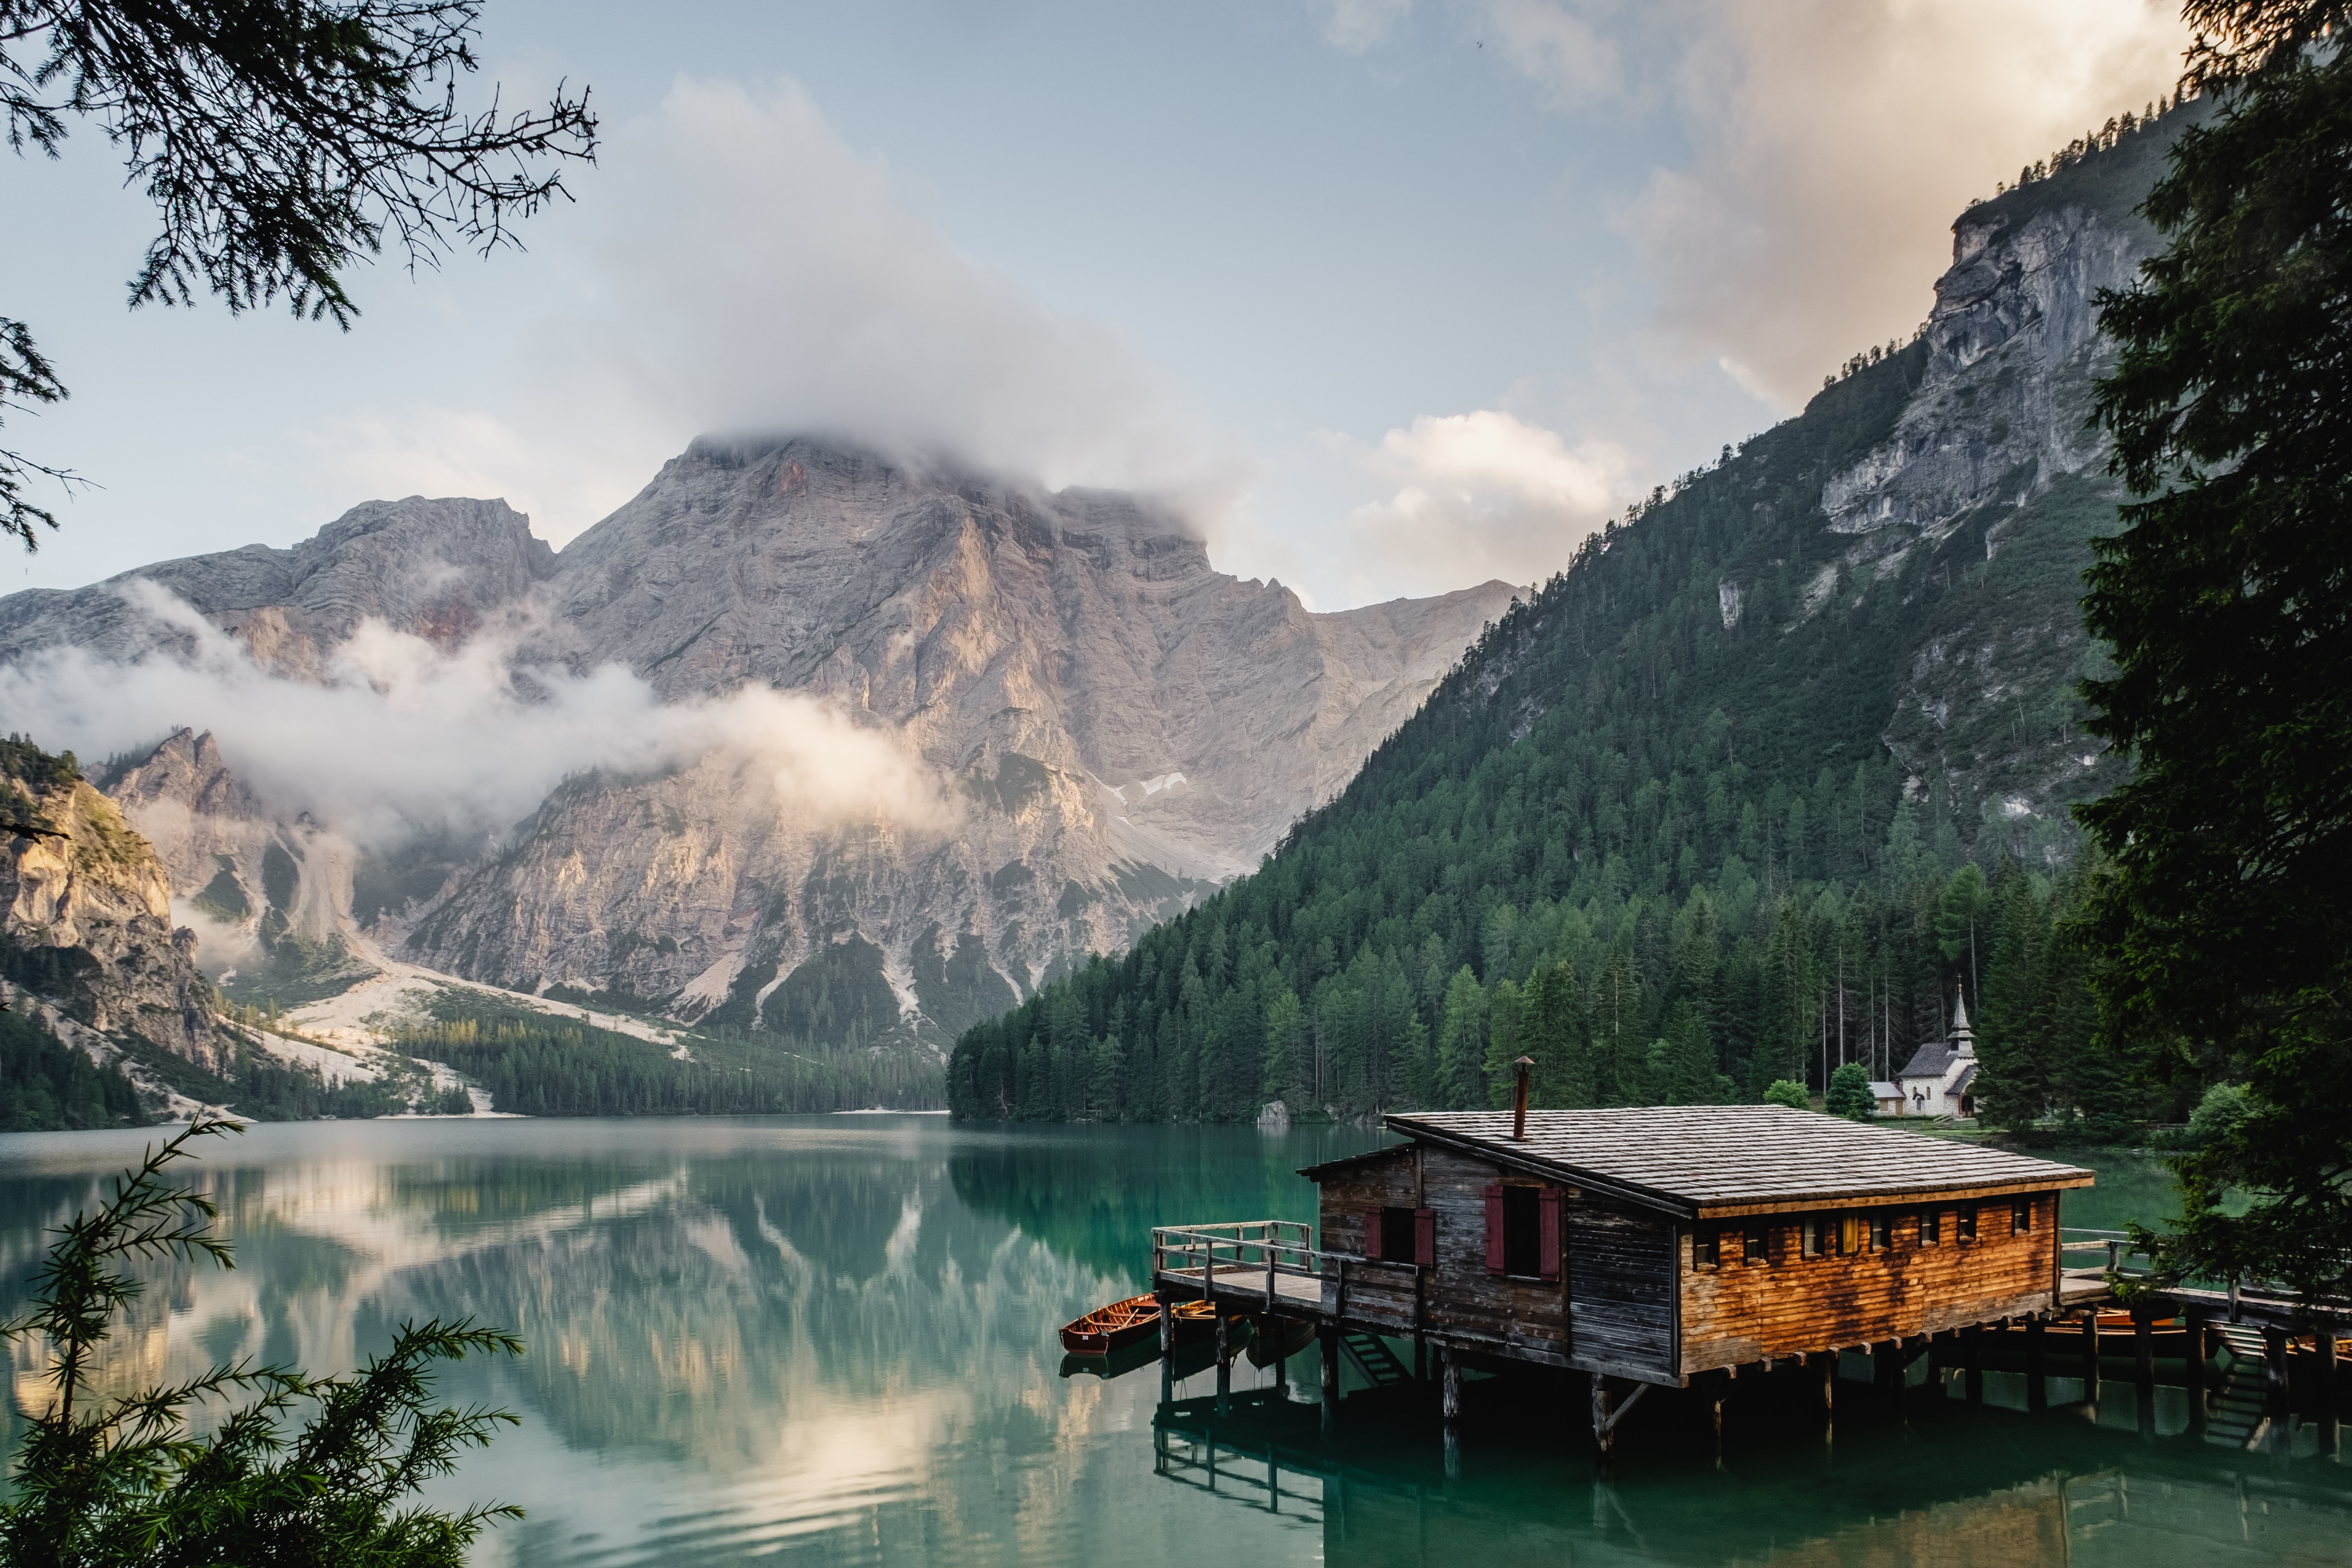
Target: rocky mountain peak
[(436, 567)]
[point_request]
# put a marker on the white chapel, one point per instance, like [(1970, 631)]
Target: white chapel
[(1938, 1080)]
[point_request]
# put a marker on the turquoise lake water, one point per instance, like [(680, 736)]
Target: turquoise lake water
[(830, 1340)]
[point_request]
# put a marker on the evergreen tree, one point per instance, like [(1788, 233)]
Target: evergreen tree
[(2226, 926), (1462, 1044), (1849, 1093)]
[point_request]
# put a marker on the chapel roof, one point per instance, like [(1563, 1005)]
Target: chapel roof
[(1932, 1059)]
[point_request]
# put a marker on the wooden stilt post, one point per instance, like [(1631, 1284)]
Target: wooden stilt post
[(1826, 1362), (2330, 1431), (1972, 1363), (1167, 1346), (1330, 1336), (1604, 1434), (1276, 1327), (2274, 1354), (2144, 1371), (2193, 1365), (2037, 1386), (1886, 1371), (1225, 1363), (1449, 1372), (2090, 1355)]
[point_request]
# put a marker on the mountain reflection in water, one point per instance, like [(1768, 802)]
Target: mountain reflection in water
[(832, 1340)]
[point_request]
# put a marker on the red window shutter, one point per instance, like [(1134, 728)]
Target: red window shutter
[(1495, 1228), (1548, 1233), (1424, 1237), (1374, 1223)]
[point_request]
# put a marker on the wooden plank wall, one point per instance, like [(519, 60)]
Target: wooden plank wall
[(1383, 1296), (1621, 1263), (1465, 1299), (1733, 1314)]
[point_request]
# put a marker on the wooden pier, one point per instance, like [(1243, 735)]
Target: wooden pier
[(2246, 1356), (1647, 1252)]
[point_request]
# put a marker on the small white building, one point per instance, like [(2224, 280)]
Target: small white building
[(1939, 1078)]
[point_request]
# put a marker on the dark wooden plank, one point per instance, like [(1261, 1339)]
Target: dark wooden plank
[(1620, 1285)]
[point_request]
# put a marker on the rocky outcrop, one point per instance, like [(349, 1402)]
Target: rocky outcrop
[(270, 898), (1994, 445), (85, 917)]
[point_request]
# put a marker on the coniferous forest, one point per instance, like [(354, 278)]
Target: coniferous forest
[(1663, 850)]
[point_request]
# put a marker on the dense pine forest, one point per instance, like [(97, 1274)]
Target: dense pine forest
[(1655, 838)]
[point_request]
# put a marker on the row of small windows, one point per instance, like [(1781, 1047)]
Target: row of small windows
[(1850, 1234)]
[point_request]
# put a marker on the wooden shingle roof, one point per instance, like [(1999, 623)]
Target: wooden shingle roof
[(1698, 1160)]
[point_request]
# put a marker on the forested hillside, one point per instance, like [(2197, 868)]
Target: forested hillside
[(1752, 789)]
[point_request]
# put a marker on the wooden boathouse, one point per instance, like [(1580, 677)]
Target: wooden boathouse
[(1647, 1246)]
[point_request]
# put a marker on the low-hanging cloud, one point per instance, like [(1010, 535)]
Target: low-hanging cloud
[(1485, 495), (1830, 144), (757, 273), (1834, 142), (405, 734)]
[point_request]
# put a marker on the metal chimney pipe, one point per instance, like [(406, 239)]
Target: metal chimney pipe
[(1519, 1101)]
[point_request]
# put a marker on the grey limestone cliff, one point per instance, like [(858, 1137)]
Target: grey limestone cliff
[(1994, 443), (436, 567)]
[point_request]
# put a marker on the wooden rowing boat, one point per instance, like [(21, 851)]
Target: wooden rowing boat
[(1107, 1329), (1127, 1322)]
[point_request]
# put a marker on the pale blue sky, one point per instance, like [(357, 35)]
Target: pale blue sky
[(1396, 295)]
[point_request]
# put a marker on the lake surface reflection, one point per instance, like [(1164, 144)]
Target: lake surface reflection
[(831, 1340)]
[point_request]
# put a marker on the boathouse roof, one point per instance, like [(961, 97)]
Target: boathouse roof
[(1697, 1161)]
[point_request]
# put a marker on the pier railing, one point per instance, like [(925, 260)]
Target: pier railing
[(2113, 1249), (1243, 1252)]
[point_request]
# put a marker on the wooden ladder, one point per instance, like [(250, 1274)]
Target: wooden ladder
[(2239, 1416), (1373, 1358)]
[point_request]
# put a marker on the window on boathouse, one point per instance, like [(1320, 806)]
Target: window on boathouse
[(1402, 1234), (1523, 1232)]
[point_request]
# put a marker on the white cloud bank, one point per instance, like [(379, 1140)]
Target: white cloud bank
[(405, 735), (1482, 495), (742, 268), (1833, 141)]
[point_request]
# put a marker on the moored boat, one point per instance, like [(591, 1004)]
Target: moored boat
[(1107, 1329), (1133, 1320)]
